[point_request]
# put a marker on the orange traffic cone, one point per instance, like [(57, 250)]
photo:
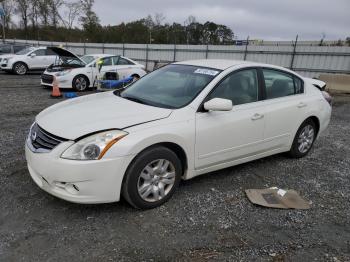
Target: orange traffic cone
[(55, 89)]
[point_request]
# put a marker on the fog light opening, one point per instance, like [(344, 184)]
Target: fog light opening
[(75, 187), (72, 189)]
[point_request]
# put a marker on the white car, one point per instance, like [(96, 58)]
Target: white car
[(81, 73), (8, 50), (178, 122), (31, 58)]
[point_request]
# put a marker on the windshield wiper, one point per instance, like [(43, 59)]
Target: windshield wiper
[(135, 99)]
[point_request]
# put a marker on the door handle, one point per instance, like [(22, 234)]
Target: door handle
[(301, 104), (257, 116)]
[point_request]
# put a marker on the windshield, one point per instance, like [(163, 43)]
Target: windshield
[(25, 51), (171, 86), (87, 59), (71, 61)]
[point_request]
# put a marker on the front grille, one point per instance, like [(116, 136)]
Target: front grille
[(41, 139), (47, 79)]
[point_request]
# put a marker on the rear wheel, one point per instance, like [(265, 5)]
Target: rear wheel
[(20, 68), (304, 139), (80, 83), (152, 178)]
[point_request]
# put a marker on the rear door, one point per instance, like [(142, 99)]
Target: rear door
[(107, 64), (286, 106), (231, 135), (125, 67)]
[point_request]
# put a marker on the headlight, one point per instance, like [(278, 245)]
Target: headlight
[(5, 60), (62, 73), (93, 147)]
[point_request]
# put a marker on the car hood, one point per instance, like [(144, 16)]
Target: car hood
[(77, 117), (61, 52)]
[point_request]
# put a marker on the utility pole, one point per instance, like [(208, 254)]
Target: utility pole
[(293, 54)]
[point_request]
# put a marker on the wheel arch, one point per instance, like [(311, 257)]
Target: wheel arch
[(316, 120), (13, 65), (136, 75), (175, 147), (312, 117)]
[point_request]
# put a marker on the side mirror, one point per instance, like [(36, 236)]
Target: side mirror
[(218, 104), (32, 55)]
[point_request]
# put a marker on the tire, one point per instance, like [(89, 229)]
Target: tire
[(80, 83), (146, 184), (20, 68), (304, 139)]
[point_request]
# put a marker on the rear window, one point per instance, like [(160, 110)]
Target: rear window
[(123, 61)]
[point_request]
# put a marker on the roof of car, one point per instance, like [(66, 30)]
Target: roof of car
[(221, 64), (99, 55)]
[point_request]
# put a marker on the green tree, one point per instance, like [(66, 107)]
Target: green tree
[(90, 21)]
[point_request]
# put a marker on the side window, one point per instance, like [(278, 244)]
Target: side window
[(115, 60), (279, 84), (240, 87), (107, 61), (299, 87), (18, 48), (5, 49), (40, 52), (50, 52), (123, 61)]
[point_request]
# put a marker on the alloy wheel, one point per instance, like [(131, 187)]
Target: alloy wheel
[(80, 84), (20, 69), (156, 180), (306, 138)]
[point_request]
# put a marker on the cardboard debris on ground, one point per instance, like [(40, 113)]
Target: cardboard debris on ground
[(277, 198)]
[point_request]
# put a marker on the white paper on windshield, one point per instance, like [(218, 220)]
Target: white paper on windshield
[(206, 72)]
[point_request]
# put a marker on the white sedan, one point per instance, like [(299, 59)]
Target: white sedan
[(28, 59), (80, 73), (178, 122)]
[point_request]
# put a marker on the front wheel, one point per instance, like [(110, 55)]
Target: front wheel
[(20, 68), (152, 178), (304, 139), (80, 83)]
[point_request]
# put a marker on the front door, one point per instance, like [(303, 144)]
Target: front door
[(227, 136), (37, 59)]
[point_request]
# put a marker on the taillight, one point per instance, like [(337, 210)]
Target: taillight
[(327, 97)]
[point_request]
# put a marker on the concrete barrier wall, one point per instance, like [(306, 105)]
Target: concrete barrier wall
[(337, 82)]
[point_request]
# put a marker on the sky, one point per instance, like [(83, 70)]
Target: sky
[(258, 19)]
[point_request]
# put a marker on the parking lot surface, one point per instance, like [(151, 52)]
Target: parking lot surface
[(209, 217)]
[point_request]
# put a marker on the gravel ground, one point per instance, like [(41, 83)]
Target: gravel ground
[(209, 218)]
